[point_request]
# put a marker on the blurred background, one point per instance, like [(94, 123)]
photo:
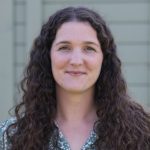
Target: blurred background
[(20, 23)]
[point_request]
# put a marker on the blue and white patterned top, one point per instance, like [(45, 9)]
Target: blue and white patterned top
[(62, 142)]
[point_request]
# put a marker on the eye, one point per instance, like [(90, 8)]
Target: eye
[(64, 48), (89, 48)]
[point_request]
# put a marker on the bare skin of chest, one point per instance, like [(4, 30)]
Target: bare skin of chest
[(76, 136)]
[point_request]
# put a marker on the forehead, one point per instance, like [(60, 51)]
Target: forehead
[(75, 30)]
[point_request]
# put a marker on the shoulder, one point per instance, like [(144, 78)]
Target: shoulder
[(6, 123), (3, 126)]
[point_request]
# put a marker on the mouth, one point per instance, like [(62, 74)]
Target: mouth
[(75, 73)]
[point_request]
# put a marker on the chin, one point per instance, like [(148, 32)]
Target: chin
[(76, 89)]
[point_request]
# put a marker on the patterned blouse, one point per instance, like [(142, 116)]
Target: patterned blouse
[(62, 142)]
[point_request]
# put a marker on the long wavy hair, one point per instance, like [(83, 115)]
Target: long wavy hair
[(122, 123)]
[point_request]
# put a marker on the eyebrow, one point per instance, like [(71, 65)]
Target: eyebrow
[(63, 42), (93, 43), (85, 42)]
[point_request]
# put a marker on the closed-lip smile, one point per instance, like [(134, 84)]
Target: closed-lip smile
[(75, 72)]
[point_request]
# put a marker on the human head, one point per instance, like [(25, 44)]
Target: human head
[(76, 48), (110, 76), (111, 63)]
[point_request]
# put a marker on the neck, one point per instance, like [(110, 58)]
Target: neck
[(75, 107)]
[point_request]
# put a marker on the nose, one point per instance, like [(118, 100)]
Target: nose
[(76, 58)]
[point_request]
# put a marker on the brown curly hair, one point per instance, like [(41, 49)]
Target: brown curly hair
[(122, 124)]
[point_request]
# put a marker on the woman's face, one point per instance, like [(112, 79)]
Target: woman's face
[(76, 57)]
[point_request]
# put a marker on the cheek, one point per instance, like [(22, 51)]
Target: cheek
[(95, 69), (58, 62), (95, 64)]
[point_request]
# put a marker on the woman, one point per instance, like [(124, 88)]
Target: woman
[(74, 94)]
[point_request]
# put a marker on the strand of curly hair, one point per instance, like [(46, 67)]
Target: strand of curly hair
[(122, 124)]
